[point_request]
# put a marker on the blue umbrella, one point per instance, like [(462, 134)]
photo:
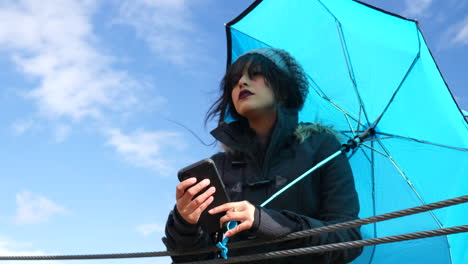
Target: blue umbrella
[(369, 68)]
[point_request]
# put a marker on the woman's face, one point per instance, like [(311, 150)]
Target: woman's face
[(253, 97)]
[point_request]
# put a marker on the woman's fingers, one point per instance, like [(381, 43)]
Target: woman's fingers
[(239, 228), (188, 207), (183, 185), (232, 216), (197, 202), (246, 221), (192, 191), (195, 208), (226, 207), (195, 215), (243, 212)]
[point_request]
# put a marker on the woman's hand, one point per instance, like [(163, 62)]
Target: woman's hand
[(243, 212), (190, 209)]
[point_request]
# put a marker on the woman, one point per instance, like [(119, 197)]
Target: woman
[(265, 149)]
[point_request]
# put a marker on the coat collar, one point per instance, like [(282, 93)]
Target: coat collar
[(239, 136)]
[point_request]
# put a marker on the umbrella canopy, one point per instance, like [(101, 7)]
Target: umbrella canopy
[(371, 68)]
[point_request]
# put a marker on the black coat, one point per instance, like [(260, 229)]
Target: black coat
[(252, 173)]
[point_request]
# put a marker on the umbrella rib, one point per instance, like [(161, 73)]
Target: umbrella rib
[(350, 68), (371, 259), (351, 131), (346, 115), (403, 80), (374, 225), (359, 123), (348, 62), (408, 181), (423, 141), (317, 89), (345, 53), (367, 156), (337, 107), (363, 152), (350, 126), (374, 149)]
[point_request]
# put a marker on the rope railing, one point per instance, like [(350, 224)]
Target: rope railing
[(295, 235)]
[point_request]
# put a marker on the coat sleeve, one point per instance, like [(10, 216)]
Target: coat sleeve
[(183, 236), (339, 203)]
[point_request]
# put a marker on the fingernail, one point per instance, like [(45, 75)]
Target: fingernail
[(212, 189), (210, 211), (193, 179), (206, 181)]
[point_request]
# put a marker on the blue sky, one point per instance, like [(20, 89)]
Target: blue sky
[(88, 157)]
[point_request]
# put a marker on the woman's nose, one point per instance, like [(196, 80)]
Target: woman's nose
[(243, 82)]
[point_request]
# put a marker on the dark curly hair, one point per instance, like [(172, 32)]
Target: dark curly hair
[(290, 88)]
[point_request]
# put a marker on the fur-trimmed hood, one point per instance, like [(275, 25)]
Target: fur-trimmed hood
[(305, 130)]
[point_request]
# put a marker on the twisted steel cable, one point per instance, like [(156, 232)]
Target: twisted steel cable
[(338, 246), (295, 235), (358, 222)]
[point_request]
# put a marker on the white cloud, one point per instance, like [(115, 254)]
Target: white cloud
[(461, 37), (8, 252), (166, 25), (52, 43), (5, 242), (33, 209), (9, 247), (147, 149), (455, 34), (416, 8), (148, 229), (5, 251), (61, 132), (22, 126)]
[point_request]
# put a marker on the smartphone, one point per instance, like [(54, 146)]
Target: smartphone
[(206, 169)]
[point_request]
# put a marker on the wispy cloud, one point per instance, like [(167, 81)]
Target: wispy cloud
[(6, 250), (148, 229), (33, 208), (22, 126), (461, 35), (455, 34), (61, 132), (148, 149), (9, 247), (6, 242), (53, 44), (166, 25), (416, 8)]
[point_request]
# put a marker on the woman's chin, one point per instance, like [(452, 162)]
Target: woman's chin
[(255, 112)]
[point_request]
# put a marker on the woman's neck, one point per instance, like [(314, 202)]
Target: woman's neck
[(263, 126)]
